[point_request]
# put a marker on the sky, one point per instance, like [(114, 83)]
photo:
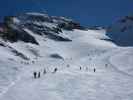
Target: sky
[(87, 12)]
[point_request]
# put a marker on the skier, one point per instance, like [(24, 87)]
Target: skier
[(86, 68), (80, 68), (68, 65), (34, 74), (44, 71), (94, 70), (55, 70), (106, 65), (39, 74), (33, 62)]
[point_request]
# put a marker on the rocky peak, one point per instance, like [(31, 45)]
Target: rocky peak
[(38, 23), (121, 32)]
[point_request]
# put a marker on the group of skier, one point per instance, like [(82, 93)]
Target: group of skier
[(38, 74), (87, 68), (94, 69)]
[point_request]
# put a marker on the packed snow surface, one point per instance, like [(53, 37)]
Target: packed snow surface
[(75, 78)]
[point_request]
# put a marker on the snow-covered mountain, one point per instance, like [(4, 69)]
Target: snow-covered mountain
[(41, 24), (121, 32), (32, 42)]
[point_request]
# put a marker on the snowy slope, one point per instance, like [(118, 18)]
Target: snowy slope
[(88, 50)]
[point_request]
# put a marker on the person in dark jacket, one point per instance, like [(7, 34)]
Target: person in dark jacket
[(55, 70), (94, 69), (106, 65), (35, 74), (39, 74), (44, 71), (68, 65), (86, 68), (80, 67)]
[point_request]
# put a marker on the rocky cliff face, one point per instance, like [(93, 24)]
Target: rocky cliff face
[(121, 32)]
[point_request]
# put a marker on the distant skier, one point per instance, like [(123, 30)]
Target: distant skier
[(80, 68), (86, 68), (55, 70), (94, 70), (68, 65), (39, 74), (35, 74), (44, 71), (106, 65), (33, 62)]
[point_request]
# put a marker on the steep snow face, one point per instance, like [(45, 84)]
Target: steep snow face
[(122, 32)]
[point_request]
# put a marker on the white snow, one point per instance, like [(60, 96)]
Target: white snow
[(47, 24), (112, 80), (37, 14), (16, 20)]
